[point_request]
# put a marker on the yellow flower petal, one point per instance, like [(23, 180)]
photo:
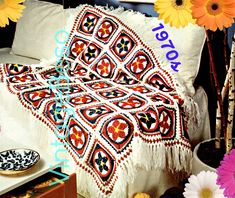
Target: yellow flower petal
[(183, 18), (178, 15), (10, 9), (3, 21)]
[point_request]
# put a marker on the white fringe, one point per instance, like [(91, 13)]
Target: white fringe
[(88, 187), (192, 112), (148, 156)]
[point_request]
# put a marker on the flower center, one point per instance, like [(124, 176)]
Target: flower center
[(206, 193), (179, 2), (214, 7)]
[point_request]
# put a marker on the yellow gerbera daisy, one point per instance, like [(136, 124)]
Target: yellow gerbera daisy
[(213, 14), (176, 12), (10, 9)]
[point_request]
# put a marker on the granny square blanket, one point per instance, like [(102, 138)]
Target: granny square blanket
[(109, 101)]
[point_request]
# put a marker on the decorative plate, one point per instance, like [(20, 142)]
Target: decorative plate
[(17, 161)]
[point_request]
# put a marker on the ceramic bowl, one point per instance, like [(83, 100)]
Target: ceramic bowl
[(17, 161)]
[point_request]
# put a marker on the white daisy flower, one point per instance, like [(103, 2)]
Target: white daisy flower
[(203, 186)]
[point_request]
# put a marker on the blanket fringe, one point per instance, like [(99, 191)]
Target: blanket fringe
[(174, 158), (147, 156), (87, 186), (192, 113)]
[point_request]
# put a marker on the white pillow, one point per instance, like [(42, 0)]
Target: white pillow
[(36, 29)]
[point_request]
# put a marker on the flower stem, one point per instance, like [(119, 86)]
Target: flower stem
[(218, 93), (223, 92), (231, 99), (225, 48)]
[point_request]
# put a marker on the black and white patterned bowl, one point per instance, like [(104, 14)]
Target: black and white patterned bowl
[(17, 161)]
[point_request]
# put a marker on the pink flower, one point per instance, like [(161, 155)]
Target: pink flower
[(226, 174)]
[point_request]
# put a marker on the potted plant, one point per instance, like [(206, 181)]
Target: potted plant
[(212, 15)]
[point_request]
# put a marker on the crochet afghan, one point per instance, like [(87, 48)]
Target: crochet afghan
[(109, 101)]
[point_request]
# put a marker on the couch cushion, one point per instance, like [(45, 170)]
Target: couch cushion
[(6, 57), (36, 29)]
